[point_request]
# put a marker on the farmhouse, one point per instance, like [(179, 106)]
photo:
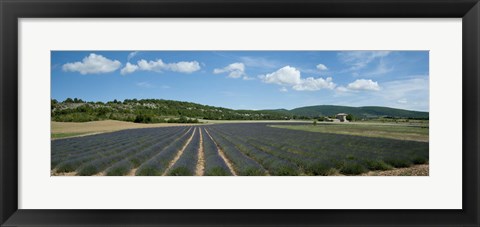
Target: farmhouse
[(342, 117)]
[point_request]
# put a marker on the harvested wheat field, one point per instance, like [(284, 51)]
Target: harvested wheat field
[(73, 129)]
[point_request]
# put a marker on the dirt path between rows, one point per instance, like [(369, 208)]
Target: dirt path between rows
[(201, 157), (103, 173), (179, 153), (222, 155), (132, 172)]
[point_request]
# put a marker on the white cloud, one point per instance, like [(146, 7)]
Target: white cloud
[(411, 94), (381, 69), (406, 94), (290, 76), (131, 55), (234, 70), (93, 64), (259, 62), (400, 89), (129, 68), (363, 85), (160, 66), (314, 84), (145, 84), (184, 66), (283, 89), (360, 59), (322, 67), (285, 76), (342, 89)]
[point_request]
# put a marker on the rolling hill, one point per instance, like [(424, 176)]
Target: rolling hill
[(158, 110), (358, 112)]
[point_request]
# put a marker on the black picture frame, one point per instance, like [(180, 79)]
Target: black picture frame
[(12, 10)]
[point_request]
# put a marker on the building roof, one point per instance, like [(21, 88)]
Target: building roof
[(342, 114)]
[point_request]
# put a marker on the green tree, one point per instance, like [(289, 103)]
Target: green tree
[(350, 117), (68, 100)]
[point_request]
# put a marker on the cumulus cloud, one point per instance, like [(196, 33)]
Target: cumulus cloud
[(129, 68), (322, 67), (283, 89), (160, 66), (92, 64), (314, 84), (234, 70), (290, 76), (360, 85), (285, 76)]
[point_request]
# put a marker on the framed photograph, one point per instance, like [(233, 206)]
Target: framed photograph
[(254, 113)]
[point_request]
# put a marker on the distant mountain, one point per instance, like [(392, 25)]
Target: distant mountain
[(282, 111), (358, 112)]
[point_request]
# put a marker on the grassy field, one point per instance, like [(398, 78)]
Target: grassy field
[(378, 130), (67, 135), (73, 129)]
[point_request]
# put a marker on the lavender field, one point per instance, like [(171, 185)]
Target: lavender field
[(235, 149)]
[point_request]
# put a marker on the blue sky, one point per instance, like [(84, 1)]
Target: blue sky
[(246, 79)]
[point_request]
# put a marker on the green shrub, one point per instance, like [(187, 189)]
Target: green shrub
[(252, 172), (148, 171), (350, 157), (65, 167), (419, 160), (88, 170), (353, 168), (377, 165), (217, 171), (180, 171), (398, 162), (284, 171), (319, 168), (120, 169)]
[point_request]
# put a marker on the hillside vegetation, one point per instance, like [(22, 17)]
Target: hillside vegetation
[(169, 111), (152, 111), (358, 112)]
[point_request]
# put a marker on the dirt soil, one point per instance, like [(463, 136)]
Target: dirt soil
[(416, 170), (201, 157)]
